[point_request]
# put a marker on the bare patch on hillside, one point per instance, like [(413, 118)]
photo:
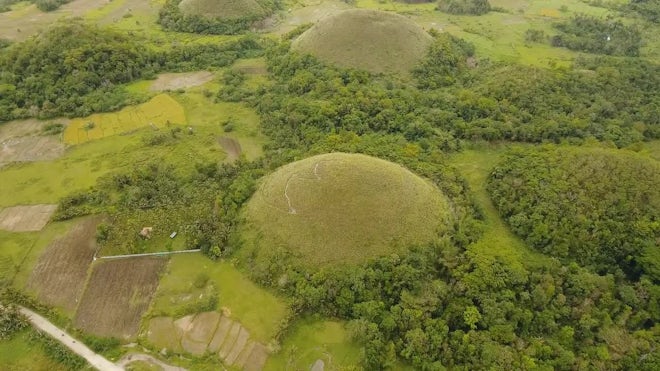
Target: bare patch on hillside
[(231, 146)]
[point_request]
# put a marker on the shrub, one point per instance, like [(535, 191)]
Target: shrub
[(474, 7)]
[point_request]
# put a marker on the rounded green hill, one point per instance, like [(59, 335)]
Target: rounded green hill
[(371, 40), (222, 9), (343, 208)]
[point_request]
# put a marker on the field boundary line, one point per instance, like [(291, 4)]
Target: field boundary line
[(163, 253)]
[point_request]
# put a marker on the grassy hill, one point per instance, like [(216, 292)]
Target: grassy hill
[(372, 40), (222, 9), (344, 208)]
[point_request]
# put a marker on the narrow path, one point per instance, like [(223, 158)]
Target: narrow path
[(137, 357), (96, 360), (163, 253)]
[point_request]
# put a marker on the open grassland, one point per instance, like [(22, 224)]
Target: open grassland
[(117, 295), (222, 9), (20, 354), (20, 251), (183, 80), (59, 276), (47, 182), (158, 112), (259, 311), (344, 208), (497, 242), (366, 39), (309, 340)]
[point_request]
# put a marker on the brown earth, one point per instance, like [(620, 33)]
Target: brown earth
[(26, 218), (173, 81), (59, 276), (231, 146), (117, 295), (22, 141)]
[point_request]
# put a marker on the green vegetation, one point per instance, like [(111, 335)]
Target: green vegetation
[(44, 5), (213, 16), (594, 206), (473, 7), (602, 36), (343, 208), (181, 292), (366, 39), (22, 352), (311, 339)]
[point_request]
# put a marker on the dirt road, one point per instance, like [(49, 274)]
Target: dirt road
[(96, 360)]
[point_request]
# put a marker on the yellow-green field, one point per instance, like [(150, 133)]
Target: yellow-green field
[(158, 112)]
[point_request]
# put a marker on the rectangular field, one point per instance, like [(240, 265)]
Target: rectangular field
[(26, 218), (157, 112), (59, 276), (117, 294)]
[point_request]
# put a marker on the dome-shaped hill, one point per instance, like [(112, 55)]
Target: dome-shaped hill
[(372, 40), (222, 9), (343, 208), (599, 207)]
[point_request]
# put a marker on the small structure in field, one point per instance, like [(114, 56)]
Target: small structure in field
[(146, 232)]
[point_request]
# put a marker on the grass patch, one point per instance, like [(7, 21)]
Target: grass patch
[(310, 339), (19, 353), (222, 9), (344, 208), (255, 308), (158, 112), (497, 242), (365, 39)]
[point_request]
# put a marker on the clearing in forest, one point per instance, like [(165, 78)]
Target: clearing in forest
[(59, 276), (343, 208), (371, 40), (158, 112), (117, 295), (173, 81), (26, 218)]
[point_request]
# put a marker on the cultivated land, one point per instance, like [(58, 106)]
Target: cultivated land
[(25, 141), (183, 80), (344, 208), (258, 310), (26, 218), (371, 40), (117, 294), (157, 113), (59, 276)]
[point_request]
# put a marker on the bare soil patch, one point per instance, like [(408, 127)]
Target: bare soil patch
[(163, 332), (231, 146), (172, 81), (59, 276), (26, 218), (22, 141), (117, 294)]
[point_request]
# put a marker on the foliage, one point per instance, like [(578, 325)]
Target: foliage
[(11, 321), (53, 128), (595, 35), (445, 60), (598, 207), (57, 351), (474, 7), (211, 21), (648, 9), (43, 5), (75, 69)]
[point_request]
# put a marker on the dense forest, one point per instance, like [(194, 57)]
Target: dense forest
[(594, 206), (601, 36), (76, 69)]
